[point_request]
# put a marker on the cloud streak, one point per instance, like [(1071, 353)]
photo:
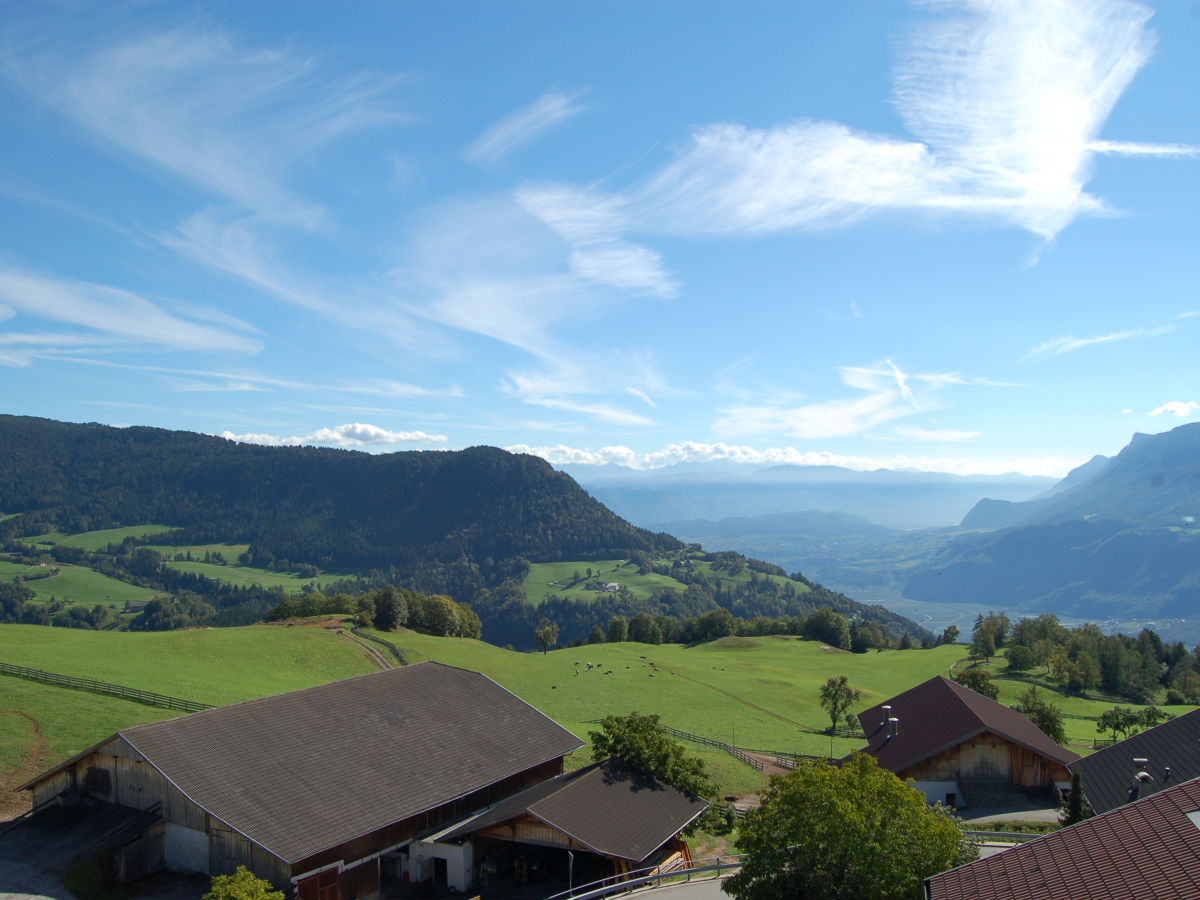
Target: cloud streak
[(1069, 343), (1181, 408), (522, 127), (354, 434), (744, 454)]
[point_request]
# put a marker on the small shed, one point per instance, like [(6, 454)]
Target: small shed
[(948, 739), (624, 818)]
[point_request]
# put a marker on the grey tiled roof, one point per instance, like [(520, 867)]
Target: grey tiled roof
[(1108, 774), (1141, 851), (938, 714), (302, 772), (606, 806)]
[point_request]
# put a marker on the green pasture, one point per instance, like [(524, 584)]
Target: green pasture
[(231, 552), (78, 584), (69, 721), (97, 540), (245, 575), (209, 665), (555, 578)]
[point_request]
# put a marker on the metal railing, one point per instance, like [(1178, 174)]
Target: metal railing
[(1014, 837), (102, 687), (651, 876)]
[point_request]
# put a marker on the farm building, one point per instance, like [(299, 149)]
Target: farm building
[(311, 789), (1146, 850), (1142, 765), (951, 740)]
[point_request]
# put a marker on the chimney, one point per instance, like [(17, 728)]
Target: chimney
[(895, 726), (887, 711)]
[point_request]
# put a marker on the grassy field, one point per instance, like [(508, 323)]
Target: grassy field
[(556, 579), (81, 585), (230, 551), (244, 575), (759, 693), (97, 540)]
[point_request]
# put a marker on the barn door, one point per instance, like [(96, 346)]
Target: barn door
[(322, 886)]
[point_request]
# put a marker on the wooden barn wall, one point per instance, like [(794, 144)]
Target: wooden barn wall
[(988, 757), (430, 820), (528, 830), (228, 849), (142, 856)]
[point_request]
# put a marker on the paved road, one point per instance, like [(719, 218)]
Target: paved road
[(709, 889)]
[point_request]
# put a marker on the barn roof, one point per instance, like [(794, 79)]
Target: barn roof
[(939, 714), (608, 807), (1108, 774), (301, 772), (1143, 851)]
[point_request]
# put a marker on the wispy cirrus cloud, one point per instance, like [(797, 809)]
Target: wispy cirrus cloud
[(744, 454), (523, 126), (195, 102), (1181, 408), (1005, 101), (103, 316), (887, 393), (1069, 343), (356, 434)]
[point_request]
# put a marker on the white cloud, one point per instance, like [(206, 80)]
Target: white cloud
[(522, 126), (701, 452), (1067, 343), (110, 316), (933, 435), (192, 101), (351, 435), (1006, 100), (1180, 408)]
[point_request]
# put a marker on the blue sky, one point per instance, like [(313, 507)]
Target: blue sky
[(956, 236)]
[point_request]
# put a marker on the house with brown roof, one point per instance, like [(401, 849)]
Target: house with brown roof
[(1142, 765), (312, 788), (1145, 850), (951, 740)]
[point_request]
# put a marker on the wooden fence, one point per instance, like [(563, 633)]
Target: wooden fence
[(102, 687), (733, 751), (392, 648)]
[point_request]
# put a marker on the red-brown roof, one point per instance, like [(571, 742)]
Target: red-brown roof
[(1146, 850), (939, 714)]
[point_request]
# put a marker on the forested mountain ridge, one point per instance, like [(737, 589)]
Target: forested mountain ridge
[(333, 508), (466, 523)]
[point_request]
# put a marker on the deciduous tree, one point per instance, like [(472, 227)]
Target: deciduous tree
[(849, 831), (837, 697)]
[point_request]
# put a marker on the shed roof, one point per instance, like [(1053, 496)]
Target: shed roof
[(301, 772), (939, 714), (1142, 851), (1108, 774), (608, 807)]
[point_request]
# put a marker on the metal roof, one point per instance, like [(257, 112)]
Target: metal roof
[(939, 714), (1108, 774), (301, 772), (1141, 851), (608, 807)]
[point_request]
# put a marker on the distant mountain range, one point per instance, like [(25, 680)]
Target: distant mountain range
[(1116, 538), (896, 499), (1120, 539)]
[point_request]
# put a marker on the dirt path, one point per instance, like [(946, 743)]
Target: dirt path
[(13, 802), (367, 650)]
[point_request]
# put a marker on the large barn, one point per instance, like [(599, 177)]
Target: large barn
[(311, 789), (949, 740)]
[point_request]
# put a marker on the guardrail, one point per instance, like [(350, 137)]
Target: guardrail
[(103, 687), (650, 877)]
